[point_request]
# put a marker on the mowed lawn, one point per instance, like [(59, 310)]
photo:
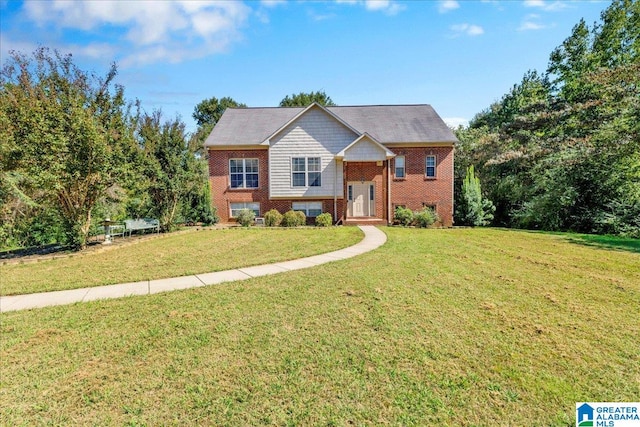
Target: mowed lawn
[(173, 255), (459, 327)]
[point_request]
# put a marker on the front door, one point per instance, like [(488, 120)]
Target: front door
[(360, 199)]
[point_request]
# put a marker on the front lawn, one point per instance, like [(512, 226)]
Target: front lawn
[(463, 327), (173, 255)]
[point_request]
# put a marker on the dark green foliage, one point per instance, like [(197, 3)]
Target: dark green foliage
[(304, 99), (210, 110), (66, 137), (473, 209), (324, 220), (172, 173), (272, 218), (198, 207), (403, 216), (246, 217), (561, 151), (425, 218)]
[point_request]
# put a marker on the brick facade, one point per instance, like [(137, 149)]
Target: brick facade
[(368, 172), (222, 195), (414, 191)]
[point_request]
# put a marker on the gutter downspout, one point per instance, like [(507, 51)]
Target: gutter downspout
[(388, 191), (335, 192)]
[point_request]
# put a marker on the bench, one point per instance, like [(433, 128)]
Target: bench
[(131, 225), (116, 230)]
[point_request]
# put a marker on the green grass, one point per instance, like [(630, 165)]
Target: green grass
[(611, 242), (175, 255), (463, 327)]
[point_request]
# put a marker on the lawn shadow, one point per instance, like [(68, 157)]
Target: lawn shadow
[(616, 243), (628, 244)]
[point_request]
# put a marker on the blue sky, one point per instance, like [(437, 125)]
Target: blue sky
[(458, 56)]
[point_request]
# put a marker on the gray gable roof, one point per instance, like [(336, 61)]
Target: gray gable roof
[(386, 123)]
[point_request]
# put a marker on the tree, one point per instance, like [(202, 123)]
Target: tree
[(209, 111), (474, 210), (67, 135), (172, 171), (304, 99), (561, 151)]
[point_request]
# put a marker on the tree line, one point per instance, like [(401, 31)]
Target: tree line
[(74, 151), (561, 150)]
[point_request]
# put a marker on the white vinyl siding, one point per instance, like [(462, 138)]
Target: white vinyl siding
[(365, 150), (313, 135), (310, 209), (237, 207)]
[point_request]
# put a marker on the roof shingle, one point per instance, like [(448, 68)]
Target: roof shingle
[(386, 123)]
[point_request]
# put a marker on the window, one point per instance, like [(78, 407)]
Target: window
[(350, 192), (431, 167), (243, 173), (306, 172), (237, 207), (311, 209), (399, 166), (372, 192)]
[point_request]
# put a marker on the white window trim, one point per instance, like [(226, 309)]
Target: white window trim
[(245, 205), (404, 167), (244, 173), (306, 207), (306, 171), (435, 166)]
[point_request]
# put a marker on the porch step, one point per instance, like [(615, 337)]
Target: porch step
[(365, 221)]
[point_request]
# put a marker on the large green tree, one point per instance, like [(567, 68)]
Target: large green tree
[(66, 136), (172, 171), (303, 99), (561, 150)]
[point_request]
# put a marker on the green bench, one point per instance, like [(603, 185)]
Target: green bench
[(131, 225)]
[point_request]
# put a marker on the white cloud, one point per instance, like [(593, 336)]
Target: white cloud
[(153, 30), (454, 122), (546, 6), (531, 23), (387, 6), (272, 3), (390, 7), (467, 29), (445, 6)]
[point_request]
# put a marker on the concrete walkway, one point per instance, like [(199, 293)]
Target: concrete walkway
[(373, 238)]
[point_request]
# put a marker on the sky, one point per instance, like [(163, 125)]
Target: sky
[(459, 56)]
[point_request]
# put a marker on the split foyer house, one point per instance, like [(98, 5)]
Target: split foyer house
[(357, 163)]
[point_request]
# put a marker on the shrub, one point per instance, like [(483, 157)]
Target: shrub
[(324, 220), (302, 218), (289, 219), (403, 216), (426, 218), (246, 217), (273, 218)]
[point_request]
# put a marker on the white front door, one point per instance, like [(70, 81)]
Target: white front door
[(360, 202)]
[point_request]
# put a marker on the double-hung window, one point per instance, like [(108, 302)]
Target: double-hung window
[(237, 207), (310, 209), (306, 172), (399, 166), (430, 170), (243, 173)]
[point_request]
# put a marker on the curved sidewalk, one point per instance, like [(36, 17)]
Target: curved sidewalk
[(373, 238)]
